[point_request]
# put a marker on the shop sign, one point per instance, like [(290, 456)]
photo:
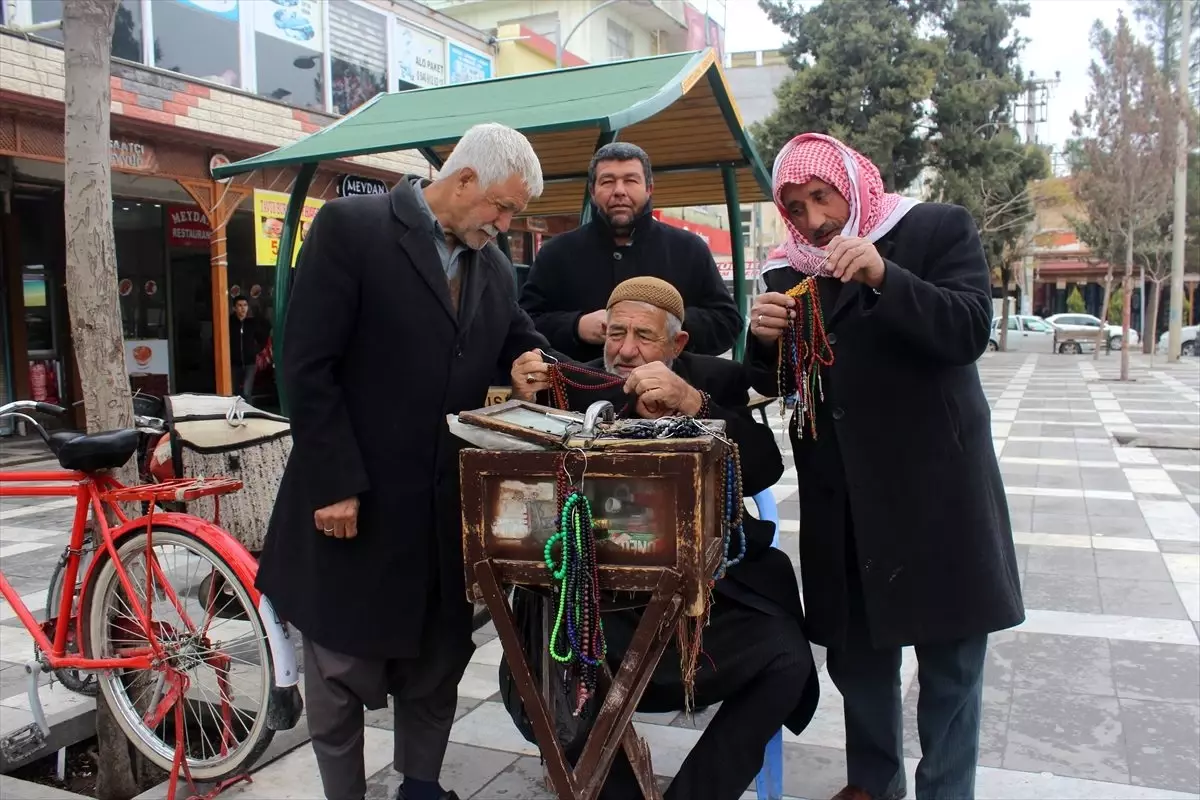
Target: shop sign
[(218, 160), (468, 65), (296, 21), (353, 185), (147, 357), (269, 210), (536, 225), (719, 241), (188, 228), (130, 156), (420, 58)]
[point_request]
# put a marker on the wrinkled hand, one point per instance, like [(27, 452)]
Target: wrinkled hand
[(339, 520), (770, 314), (591, 327), (854, 259), (660, 392), (530, 375)]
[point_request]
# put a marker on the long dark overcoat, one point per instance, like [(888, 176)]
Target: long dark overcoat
[(904, 444), (375, 359)]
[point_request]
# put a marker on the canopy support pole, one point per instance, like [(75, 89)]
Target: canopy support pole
[(729, 176), (605, 137), (283, 271)]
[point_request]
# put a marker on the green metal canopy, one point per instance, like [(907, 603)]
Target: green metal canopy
[(677, 107)]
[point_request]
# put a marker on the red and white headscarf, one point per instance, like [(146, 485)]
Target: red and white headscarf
[(873, 212)]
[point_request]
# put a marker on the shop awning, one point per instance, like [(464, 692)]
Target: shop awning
[(677, 107)]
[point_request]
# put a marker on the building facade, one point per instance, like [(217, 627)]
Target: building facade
[(193, 84)]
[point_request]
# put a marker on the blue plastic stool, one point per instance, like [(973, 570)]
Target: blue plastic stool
[(769, 783)]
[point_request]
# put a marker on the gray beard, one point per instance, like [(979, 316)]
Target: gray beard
[(611, 368)]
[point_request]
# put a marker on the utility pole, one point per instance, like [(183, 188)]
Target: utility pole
[(1036, 105), (1179, 221)]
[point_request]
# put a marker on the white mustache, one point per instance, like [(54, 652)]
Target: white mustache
[(491, 230)]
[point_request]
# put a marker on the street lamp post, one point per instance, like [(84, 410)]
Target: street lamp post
[(560, 43)]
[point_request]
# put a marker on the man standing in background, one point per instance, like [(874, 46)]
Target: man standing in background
[(246, 340), (574, 273)]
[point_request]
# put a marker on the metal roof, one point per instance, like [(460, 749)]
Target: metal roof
[(677, 107)]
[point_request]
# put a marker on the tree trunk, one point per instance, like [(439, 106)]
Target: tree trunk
[(1126, 304), (1108, 281), (1005, 277), (92, 275), (1150, 324)]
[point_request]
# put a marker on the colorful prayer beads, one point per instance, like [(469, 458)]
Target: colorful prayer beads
[(803, 350)]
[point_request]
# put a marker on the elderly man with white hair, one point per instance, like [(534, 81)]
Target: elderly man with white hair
[(402, 312)]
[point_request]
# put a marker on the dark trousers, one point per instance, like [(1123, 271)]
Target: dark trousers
[(425, 696), (950, 675), (243, 380), (756, 666)]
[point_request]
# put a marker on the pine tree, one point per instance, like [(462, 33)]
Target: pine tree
[(980, 164), (862, 74)]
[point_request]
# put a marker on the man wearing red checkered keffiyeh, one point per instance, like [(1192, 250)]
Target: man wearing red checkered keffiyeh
[(868, 211), (905, 537)]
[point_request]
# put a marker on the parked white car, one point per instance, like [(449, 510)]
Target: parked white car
[(1026, 334), (1086, 326), (1187, 347)]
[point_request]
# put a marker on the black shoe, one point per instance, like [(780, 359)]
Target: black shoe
[(401, 795)]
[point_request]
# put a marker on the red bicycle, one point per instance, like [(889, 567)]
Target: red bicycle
[(198, 680)]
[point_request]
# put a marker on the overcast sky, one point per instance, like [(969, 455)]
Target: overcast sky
[(1057, 31)]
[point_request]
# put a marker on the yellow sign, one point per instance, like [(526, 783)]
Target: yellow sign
[(269, 210), (498, 395)]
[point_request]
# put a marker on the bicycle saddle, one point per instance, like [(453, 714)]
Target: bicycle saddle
[(93, 452)]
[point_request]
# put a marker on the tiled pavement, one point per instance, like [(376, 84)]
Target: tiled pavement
[(1097, 695)]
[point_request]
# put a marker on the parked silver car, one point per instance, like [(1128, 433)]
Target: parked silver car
[(1087, 326), (1187, 347), (1026, 334)]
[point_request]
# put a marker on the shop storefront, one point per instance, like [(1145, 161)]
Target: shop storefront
[(178, 272)]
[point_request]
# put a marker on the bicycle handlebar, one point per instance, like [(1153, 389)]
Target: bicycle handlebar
[(32, 405)]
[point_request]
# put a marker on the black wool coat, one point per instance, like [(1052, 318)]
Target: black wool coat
[(574, 273), (765, 580), (375, 359), (904, 446)]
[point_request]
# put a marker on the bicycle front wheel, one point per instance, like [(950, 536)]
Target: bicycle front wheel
[(214, 638)]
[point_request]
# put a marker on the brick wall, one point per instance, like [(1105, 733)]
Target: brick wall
[(33, 68)]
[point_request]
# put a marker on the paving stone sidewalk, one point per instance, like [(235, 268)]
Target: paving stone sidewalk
[(1097, 695)]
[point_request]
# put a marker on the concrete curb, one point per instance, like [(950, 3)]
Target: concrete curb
[(17, 789), (67, 727)]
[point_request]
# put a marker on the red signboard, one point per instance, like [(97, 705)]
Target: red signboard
[(718, 240), (703, 31), (188, 227)]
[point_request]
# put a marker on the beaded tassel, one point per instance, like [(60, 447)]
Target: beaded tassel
[(577, 637), (732, 515), (559, 383), (803, 350)]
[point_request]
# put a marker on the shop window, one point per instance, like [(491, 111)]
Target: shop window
[(39, 321), (198, 38), (357, 55), (141, 270), (288, 53), (127, 34), (620, 42)]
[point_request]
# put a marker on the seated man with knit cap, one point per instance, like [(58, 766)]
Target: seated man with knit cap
[(756, 661)]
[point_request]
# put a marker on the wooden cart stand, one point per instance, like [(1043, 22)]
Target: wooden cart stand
[(660, 502)]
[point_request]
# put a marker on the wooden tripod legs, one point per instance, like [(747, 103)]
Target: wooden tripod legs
[(614, 722)]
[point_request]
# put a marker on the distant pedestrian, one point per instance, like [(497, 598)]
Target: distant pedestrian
[(246, 340), (904, 529)]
